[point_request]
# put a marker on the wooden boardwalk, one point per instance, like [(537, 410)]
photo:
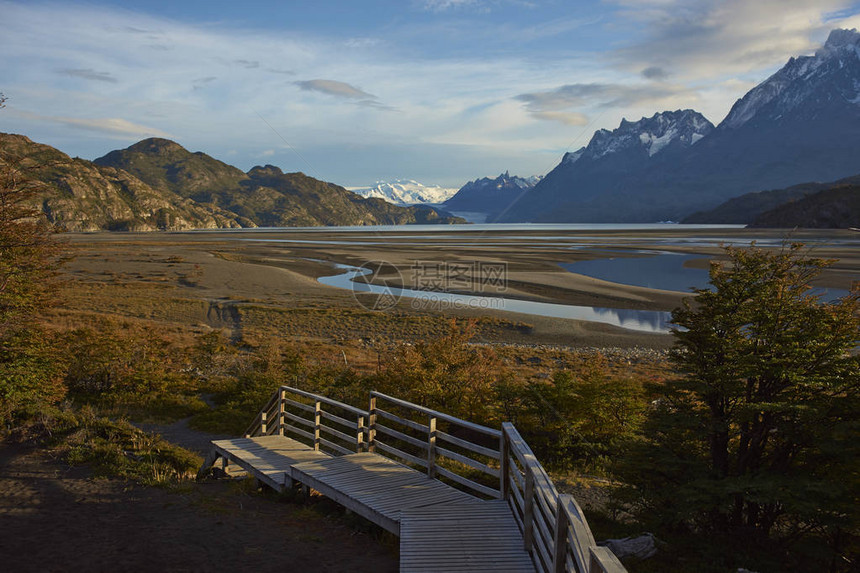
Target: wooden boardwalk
[(478, 536), (376, 487), (444, 523), (496, 510)]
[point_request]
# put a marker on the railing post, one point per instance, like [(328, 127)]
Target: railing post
[(317, 423), (282, 395), (263, 423), (360, 444), (559, 557), (431, 447), (371, 425), (529, 510), (504, 464)]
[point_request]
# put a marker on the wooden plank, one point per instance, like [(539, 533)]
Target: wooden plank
[(298, 431), (380, 428), (440, 415), (339, 420), (528, 511), (391, 450), (402, 421), (299, 419), (336, 447), (345, 437), (329, 401), (465, 444), (604, 561), (479, 536), (494, 472), (488, 491), (299, 405)]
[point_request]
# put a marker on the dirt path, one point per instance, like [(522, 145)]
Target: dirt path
[(57, 518)]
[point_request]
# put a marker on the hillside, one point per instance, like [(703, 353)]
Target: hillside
[(265, 196), (744, 209), (157, 184), (79, 195), (837, 208)]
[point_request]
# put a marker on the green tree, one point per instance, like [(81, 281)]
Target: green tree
[(29, 257), (758, 439)]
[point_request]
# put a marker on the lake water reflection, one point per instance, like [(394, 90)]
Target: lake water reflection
[(639, 320)]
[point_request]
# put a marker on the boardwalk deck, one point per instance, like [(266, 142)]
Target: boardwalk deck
[(267, 458), (479, 536), (376, 487)]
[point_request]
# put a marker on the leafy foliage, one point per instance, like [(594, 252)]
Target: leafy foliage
[(29, 256), (757, 440)]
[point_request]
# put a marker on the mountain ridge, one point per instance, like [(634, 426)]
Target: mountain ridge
[(490, 196), (800, 124), (156, 184)]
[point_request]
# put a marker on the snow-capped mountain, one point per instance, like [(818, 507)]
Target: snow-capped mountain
[(801, 124), (490, 196), (833, 72), (591, 170), (406, 192), (650, 135)]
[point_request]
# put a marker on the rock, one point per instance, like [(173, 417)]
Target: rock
[(640, 547)]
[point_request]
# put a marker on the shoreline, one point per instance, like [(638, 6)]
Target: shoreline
[(206, 270)]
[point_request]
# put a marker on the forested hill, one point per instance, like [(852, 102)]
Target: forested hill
[(837, 208), (158, 184)]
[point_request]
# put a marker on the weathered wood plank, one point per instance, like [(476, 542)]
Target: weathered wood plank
[(477, 536), (382, 429), (400, 420), (467, 461), (490, 453), (488, 491), (440, 415)]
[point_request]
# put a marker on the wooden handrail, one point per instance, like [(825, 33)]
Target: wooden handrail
[(439, 415), (554, 528), (428, 439)]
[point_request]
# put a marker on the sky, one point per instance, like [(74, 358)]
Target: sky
[(359, 91)]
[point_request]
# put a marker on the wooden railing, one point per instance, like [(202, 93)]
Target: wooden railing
[(484, 461), (324, 423), (446, 447), (554, 529)]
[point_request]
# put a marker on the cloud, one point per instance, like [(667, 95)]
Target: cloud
[(335, 88), (108, 125), (655, 73), (554, 104), (200, 83), (89, 74), (445, 5), (709, 39), (250, 64), (565, 117)]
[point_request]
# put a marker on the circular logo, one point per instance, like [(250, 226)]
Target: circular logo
[(376, 285)]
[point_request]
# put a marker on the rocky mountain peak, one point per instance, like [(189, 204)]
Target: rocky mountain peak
[(265, 171), (649, 134), (841, 37), (834, 71), (156, 146)]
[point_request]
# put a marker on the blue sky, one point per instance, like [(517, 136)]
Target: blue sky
[(441, 91)]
